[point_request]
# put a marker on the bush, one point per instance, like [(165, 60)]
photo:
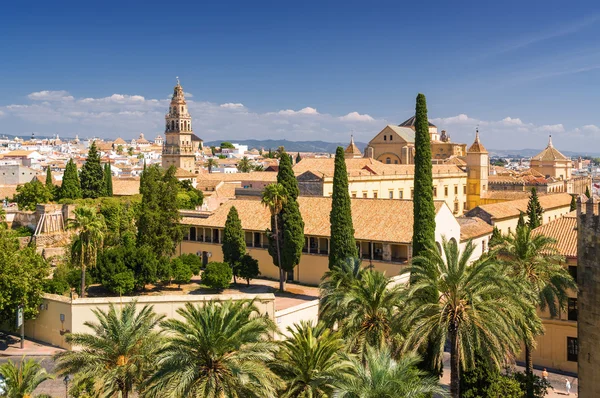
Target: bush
[(164, 273), (504, 387), (56, 286), (193, 261), (121, 283), (248, 268), (540, 386), (217, 275), (23, 232), (181, 272)]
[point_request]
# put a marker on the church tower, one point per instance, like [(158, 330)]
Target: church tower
[(478, 169), (178, 149)]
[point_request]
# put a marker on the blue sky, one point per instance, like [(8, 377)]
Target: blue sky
[(305, 70)]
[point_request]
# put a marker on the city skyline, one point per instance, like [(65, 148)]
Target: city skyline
[(328, 73)]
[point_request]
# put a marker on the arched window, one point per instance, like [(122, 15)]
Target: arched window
[(391, 136), (388, 160), (172, 125), (452, 241)]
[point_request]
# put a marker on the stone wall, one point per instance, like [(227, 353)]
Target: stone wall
[(588, 281)]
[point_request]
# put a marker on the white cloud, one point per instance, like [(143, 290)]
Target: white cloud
[(357, 117), (458, 119), (551, 128), (231, 105), (304, 111), (188, 95), (591, 128), (47, 95), (509, 121)]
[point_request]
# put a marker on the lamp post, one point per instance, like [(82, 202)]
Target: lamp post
[(66, 380)]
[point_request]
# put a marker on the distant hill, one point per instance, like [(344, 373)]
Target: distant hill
[(291, 146)]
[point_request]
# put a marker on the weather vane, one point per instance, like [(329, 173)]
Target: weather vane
[(177, 77)]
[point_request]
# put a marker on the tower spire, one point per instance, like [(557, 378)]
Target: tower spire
[(550, 141)]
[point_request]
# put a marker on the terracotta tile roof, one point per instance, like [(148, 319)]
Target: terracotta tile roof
[(17, 154), (549, 154), (514, 207), (265, 176), (410, 122), (564, 230), (477, 146), (125, 186), (181, 173), (352, 148), (365, 167), (119, 141), (380, 220), (508, 195), (8, 191), (473, 227)]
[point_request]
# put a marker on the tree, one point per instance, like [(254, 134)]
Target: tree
[(496, 238), (423, 208), (573, 205), (70, 187), (311, 361), (342, 244), (119, 353), (291, 226), (335, 283), (533, 261), (119, 218), (158, 215), (248, 268), (244, 165), (485, 380), (23, 378), (217, 275), (381, 376), (587, 192), (32, 193), (108, 179), (50, 183), (210, 164), (273, 197), (521, 221), (193, 261), (130, 151), (181, 272), (470, 305), (234, 242), (93, 181), (120, 149), (227, 145), (217, 350), (189, 197), (88, 241), (371, 305), (22, 275), (534, 210), (298, 157)]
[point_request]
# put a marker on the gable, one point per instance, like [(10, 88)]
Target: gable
[(400, 135)]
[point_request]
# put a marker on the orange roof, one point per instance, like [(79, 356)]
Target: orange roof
[(564, 230), (380, 220), (352, 148), (181, 173), (549, 154), (17, 154), (477, 146), (473, 227), (266, 176), (514, 207)]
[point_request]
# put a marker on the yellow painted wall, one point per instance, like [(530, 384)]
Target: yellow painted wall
[(510, 224), (551, 349), (311, 269)]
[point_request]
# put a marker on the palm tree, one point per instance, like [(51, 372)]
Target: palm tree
[(334, 285), (218, 350), (534, 261), (119, 353), (383, 377), (274, 197), (20, 380), (244, 165), (371, 307), (210, 164), (310, 361), (469, 305), (88, 240)]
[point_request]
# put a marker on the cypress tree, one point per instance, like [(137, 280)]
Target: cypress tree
[(573, 205), (108, 179), (496, 238), (291, 230), (298, 157), (423, 208), (342, 243), (50, 184), (70, 187), (534, 210), (93, 183), (587, 192), (234, 243), (521, 222)]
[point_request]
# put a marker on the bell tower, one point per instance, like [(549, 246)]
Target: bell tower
[(478, 170), (178, 149)]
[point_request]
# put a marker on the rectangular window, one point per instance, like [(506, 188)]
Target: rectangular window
[(385, 137), (573, 272), (354, 194), (572, 349), (456, 207), (400, 194), (455, 190), (375, 194), (464, 189), (364, 194), (465, 205), (446, 191), (483, 246), (391, 136), (572, 309), (435, 192), (391, 194), (412, 193)]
